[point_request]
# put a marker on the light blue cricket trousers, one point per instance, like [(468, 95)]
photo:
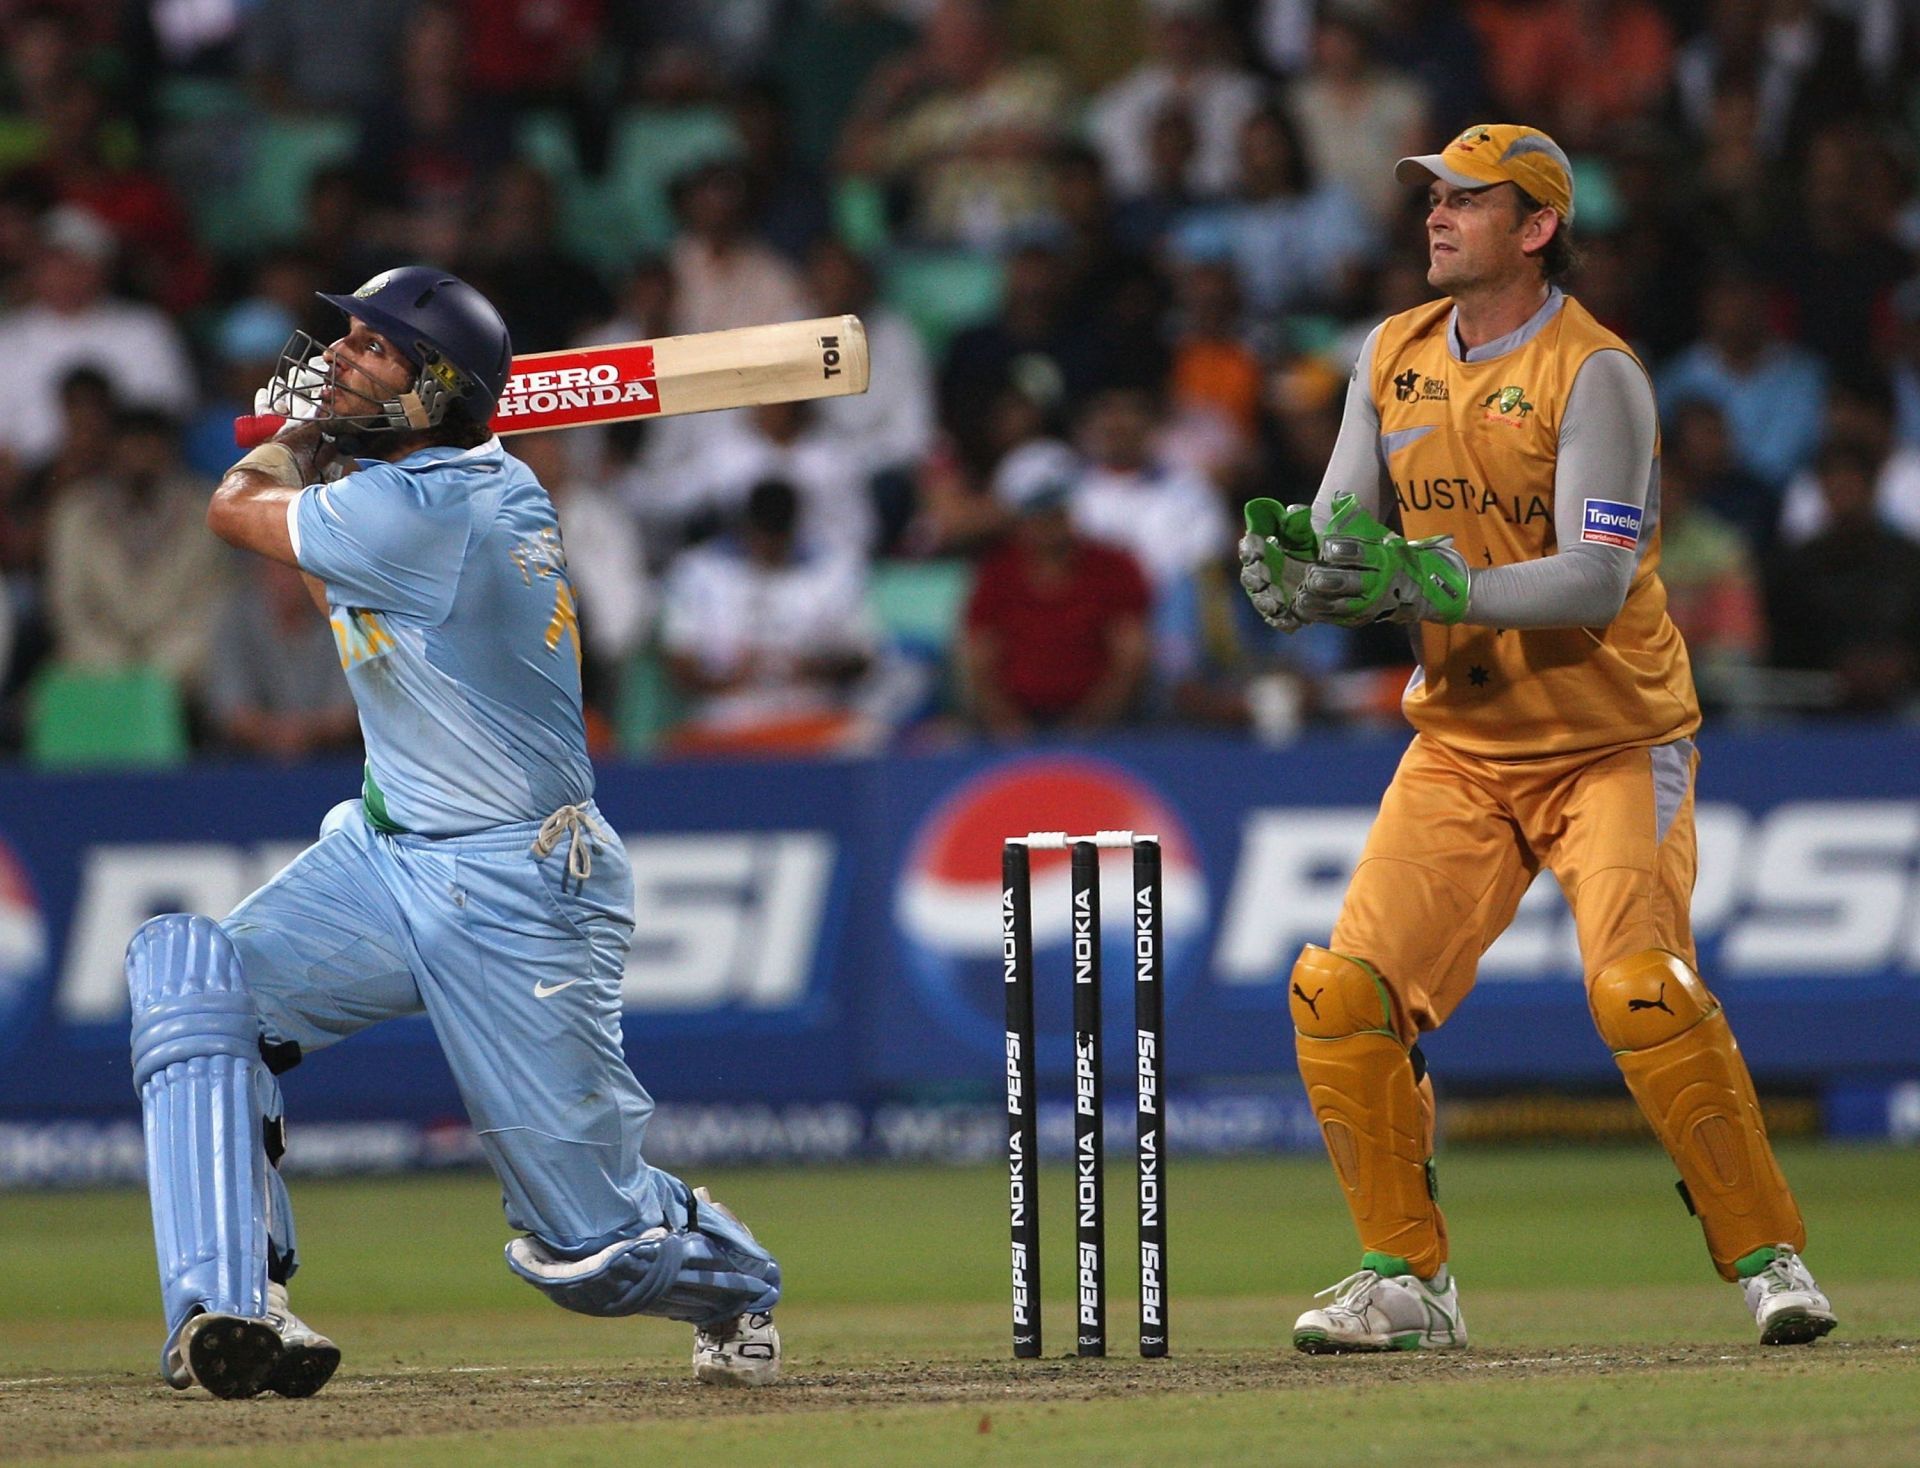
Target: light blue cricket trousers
[(517, 965)]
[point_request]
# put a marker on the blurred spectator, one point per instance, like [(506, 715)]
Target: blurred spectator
[(1034, 344), (133, 577), (1660, 241), (605, 561), (1098, 267), (425, 163), (72, 321), (274, 685), (784, 441), (1575, 67), (1187, 74), (1712, 576), (1736, 206), (1055, 632), (786, 197), (341, 243), (1169, 519), (1429, 41), (1358, 116), (1903, 343), (1298, 244), (962, 128), (514, 256), (1215, 373), (886, 431), (1142, 219), (1799, 59), (246, 355), (523, 54), (1835, 253), (338, 57), (1860, 412), (694, 52), (160, 258), (1848, 601), (1772, 394), (722, 275), (768, 641), (1696, 439), (84, 451), (823, 61)]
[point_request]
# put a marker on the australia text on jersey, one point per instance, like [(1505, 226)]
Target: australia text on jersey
[(1464, 494)]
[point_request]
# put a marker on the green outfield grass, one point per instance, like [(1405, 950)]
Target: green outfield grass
[(1600, 1335)]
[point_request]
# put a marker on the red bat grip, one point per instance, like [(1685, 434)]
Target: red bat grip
[(253, 429)]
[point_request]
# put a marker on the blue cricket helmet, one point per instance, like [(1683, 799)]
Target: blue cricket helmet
[(446, 328)]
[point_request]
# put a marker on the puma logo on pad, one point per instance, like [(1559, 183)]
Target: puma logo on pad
[(1659, 1001), (1314, 1002)]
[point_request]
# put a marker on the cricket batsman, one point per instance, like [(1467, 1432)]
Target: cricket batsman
[(473, 879), (1511, 441)]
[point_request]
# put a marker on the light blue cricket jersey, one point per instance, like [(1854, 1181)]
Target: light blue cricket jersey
[(456, 623)]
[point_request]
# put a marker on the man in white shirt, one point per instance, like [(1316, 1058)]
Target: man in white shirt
[(72, 321)]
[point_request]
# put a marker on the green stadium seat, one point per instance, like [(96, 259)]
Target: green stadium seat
[(287, 152), (650, 147), (942, 291), (84, 717), (648, 704), (918, 603)]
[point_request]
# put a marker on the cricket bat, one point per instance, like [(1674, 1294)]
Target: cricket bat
[(787, 362)]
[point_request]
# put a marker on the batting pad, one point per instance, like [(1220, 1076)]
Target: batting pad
[(1671, 1041), (197, 1068), (705, 1274)]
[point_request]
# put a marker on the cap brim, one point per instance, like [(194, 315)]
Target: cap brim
[(1431, 165)]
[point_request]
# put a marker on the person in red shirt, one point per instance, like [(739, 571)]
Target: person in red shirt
[(1056, 629)]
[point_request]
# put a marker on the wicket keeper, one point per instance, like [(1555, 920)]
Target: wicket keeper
[(473, 879), (1511, 442)]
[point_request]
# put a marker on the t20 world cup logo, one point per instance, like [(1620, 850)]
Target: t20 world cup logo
[(947, 903)]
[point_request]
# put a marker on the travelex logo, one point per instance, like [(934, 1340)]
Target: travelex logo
[(947, 903), (1609, 522), (23, 947)]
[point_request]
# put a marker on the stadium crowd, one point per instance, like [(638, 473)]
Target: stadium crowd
[(1114, 258)]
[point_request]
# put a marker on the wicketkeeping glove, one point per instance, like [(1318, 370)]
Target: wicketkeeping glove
[(1367, 573), (1275, 553)]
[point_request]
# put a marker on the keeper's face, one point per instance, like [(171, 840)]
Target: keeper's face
[(368, 370), (1475, 237)]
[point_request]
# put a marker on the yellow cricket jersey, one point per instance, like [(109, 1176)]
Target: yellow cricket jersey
[(1470, 449)]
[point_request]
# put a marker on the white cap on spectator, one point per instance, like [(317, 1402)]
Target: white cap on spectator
[(1036, 476), (80, 231)]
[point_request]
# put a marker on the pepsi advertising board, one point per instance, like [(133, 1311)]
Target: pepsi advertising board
[(817, 941)]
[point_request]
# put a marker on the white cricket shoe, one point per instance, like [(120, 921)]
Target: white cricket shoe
[(307, 1358), (1376, 1312), (1786, 1304), (743, 1352), (229, 1355)]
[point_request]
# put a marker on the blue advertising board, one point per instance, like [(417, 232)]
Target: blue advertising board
[(821, 935)]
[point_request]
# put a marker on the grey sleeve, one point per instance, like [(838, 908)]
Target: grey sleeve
[(1606, 453), (1354, 467)]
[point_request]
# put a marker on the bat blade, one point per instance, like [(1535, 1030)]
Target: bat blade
[(790, 361)]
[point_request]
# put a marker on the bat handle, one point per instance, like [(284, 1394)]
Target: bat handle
[(253, 429)]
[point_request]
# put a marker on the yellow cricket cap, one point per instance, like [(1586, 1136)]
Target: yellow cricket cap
[(1497, 153)]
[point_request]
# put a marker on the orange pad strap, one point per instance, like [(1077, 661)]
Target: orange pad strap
[(1672, 1043), (1376, 1121)]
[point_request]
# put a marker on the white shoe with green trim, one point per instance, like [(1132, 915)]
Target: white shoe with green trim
[(1370, 1311), (1786, 1304)]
